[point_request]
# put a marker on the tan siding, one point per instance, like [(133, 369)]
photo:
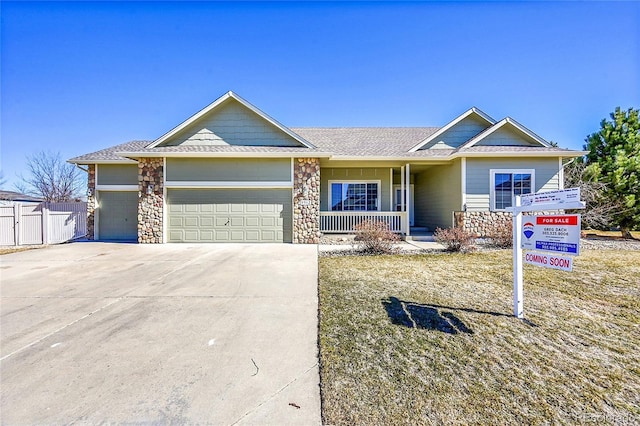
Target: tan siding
[(232, 124), (355, 174), (232, 169), (506, 136), (438, 194), (458, 134), (478, 177), (117, 174)]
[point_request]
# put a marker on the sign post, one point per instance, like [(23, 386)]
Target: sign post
[(518, 292), (560, 237)]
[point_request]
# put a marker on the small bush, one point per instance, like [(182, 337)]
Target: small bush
[(501, 236), (375, 237), (455, 239)]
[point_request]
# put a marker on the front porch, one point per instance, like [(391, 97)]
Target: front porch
[(345, 222), (402, 196)]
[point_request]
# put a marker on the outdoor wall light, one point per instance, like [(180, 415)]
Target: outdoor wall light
[(149, 189)]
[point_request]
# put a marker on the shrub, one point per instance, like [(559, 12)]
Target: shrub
[(375, 237), (455, 239), (501, 236)]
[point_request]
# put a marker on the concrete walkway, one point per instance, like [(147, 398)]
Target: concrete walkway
[(188, 334)]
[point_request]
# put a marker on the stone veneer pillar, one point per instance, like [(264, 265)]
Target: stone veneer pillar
[(91, 202), (150, 201), (306, 200)]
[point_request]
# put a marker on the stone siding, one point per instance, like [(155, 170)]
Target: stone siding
[(150, 205), (91, 202), (483, 224), (306, 201)]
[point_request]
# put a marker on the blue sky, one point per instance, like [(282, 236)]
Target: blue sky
[(81, 76)]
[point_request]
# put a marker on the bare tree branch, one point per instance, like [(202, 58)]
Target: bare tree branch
[(600, 211), (51, 178)]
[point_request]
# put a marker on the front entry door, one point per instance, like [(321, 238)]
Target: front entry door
[(397, 201)]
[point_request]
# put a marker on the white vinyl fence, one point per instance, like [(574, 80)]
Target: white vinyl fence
[(43, 223)]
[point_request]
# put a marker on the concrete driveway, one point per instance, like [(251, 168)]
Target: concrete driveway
[(207, 334)]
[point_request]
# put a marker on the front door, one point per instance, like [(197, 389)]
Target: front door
[(397, 201)]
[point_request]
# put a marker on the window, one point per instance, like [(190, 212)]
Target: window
[(506, 184), (354, 196)]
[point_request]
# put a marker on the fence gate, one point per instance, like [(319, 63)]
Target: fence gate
[(43, 223)]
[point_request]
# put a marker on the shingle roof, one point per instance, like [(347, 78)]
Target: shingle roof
[(380, 142), (109, 154), (518, 149), (366, 141)]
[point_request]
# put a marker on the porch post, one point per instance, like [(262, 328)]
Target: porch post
[(391, 189), (403, 196), (407, 209)]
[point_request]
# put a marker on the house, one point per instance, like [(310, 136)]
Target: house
[(232, 173), (12, 196)]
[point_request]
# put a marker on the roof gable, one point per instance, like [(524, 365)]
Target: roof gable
[(457, 132), (507, 132), (230, 120)]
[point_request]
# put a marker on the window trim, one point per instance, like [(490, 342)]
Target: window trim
[(343, 181), (492, 184)]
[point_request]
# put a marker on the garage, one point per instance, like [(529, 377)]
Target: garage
[(118, 215), (229, 215)]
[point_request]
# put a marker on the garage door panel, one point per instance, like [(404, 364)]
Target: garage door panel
[(118, 215), (237, 236), (230, 215), (191, 221)]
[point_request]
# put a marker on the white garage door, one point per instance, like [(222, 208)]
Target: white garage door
[(229, 215), (118, 215)]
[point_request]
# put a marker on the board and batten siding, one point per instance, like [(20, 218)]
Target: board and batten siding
[(117, 174), (232, 124), (458, 134), (478, 188), (355, 175), (438, 193), (229, 169)]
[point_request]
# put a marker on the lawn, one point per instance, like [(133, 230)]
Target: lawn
[(430, 339)]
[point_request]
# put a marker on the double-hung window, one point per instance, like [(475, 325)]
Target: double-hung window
[(506, 184), (354, 196)]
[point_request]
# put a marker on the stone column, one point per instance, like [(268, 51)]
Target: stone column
[(91, 202), (306, 200), (150, 200)]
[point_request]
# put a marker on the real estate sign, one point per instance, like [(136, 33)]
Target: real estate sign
[(561, 196), (564, 263), (554, 233)]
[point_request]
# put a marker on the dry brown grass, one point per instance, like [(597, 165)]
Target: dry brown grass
[(609, 234), (430, 340), (9, 250)]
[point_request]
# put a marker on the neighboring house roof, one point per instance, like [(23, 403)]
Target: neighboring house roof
[(17, 196)]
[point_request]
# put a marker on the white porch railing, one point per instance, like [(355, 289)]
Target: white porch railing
[(344, 222)]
